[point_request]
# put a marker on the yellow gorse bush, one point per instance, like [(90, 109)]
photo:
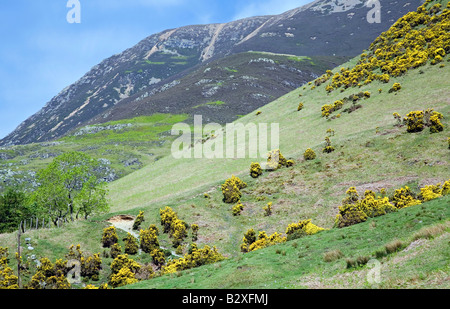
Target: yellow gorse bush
[(255, 170), (309, 154), (355, 210), (109, 237), (411, 42), (251, 243), (403, 197), (7, 278), (306, 226), (231, 189), (196, 258)]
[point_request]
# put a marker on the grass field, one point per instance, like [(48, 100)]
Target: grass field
[(422, 259)]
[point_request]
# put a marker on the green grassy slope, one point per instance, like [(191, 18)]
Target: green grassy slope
[(298, 131), (422, 261)]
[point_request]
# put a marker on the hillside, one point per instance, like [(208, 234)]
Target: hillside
[(373, 154), (121, 147), (158, 62)]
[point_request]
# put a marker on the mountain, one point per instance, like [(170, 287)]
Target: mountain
[(142, 80)]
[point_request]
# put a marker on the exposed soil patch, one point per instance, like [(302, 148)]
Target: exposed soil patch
[(121, 218), (124, 223), (339, 189)]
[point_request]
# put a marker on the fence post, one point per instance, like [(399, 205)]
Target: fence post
[(19, 234)]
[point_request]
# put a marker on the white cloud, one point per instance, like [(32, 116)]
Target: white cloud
[(269, 7)]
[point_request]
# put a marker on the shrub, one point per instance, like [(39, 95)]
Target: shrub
[(131, 245), (395, 87), (148, 240), (398, 118), (328, 147), (249, 238), (446, 188), (331, 132), (7, 278), (276, 160), (179, 250), (350, 214), (237, 209), (327, 110), (176, 228), (139, 219), (255, 170), (331, 256), (168, 216), (435, 122), (337, 105), (153, 228), (268, 210), (352, 196), (309, 154), (116, 250), (415, 121), (305, 225), (374, 207), (194, 228), (123, 271), (300, 107), (91, 266), (50, 276), (179, 232), (264, 241), (109, 237), (123, 277), (403, 197), (354, 211), (158, 257), (231, 189), (431, 192), (196, 258)]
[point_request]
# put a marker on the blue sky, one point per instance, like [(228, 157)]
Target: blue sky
[(41, 53)]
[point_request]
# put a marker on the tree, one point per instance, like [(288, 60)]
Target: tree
[(14, 208), (70, 185)]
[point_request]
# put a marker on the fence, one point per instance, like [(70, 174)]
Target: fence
[(36, 223)]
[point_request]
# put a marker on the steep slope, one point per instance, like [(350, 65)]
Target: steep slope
[(156, 63)]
